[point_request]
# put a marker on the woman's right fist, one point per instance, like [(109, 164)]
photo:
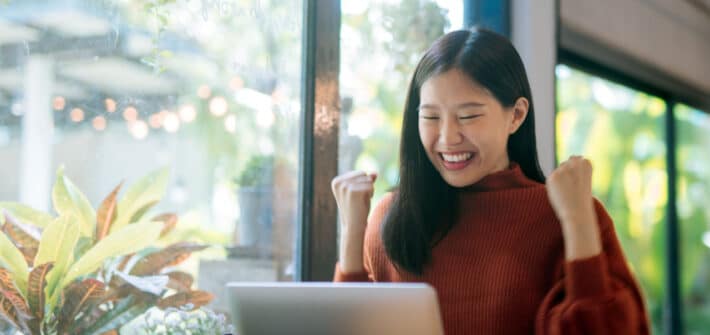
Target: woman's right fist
[(353, 192)]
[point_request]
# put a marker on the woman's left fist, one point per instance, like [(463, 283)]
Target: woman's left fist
[(569, 188)]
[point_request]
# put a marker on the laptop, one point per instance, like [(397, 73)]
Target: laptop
[(325, 308)]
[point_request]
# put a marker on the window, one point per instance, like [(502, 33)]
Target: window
[(112, 90), (622, 131), (381, 43), (693, 188)]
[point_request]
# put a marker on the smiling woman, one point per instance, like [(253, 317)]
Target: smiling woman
[(507, 251)]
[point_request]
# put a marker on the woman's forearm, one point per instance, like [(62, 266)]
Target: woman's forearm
[(581, 235)]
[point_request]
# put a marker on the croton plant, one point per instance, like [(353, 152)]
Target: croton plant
[(87, 271)]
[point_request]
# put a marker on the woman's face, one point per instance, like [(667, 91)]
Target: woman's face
[(464, 129)]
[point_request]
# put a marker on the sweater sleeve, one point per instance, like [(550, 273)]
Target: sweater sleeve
[(370, 248), (596, 295)]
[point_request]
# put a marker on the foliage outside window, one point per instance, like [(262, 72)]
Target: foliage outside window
[(622, 131), (693, 188), (381, 43)]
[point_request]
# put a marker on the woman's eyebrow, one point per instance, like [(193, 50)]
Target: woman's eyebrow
[(470, 104), (428, 106)]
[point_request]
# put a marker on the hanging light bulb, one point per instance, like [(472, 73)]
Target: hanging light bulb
[(99, 123), (77, 115), (218, 106)]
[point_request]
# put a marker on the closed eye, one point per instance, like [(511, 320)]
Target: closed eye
[(468, 117), (429, 117)]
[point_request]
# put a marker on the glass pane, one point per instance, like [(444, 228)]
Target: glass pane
[(622, 131), (381, 43), (209, 90), (693, 188)]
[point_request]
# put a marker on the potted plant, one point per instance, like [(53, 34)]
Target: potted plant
[(255, 203), (89, 271)]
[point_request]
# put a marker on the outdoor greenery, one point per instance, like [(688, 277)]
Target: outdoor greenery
[(693, 187), (623, 132), (393, 36)]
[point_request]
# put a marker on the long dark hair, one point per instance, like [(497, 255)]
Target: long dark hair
[(425, 207)]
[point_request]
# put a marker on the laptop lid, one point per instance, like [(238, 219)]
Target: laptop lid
[(334, 308)]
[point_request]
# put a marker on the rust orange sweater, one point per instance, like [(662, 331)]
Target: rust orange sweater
[(501, 269)]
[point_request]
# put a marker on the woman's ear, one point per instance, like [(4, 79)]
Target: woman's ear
[(520, 112)]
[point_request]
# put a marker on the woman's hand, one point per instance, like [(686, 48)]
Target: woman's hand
[(569, 188), (353, 192)]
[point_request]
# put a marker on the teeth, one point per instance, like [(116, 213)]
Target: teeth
[(457, 158)]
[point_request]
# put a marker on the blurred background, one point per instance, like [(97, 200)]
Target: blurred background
[(215, 90)]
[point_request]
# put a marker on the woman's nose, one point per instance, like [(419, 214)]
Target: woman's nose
[(450, 133)]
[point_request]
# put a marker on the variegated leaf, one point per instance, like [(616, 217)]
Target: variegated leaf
[(77, 296), (23, 235), (180, 281), (169, 221), (35, 289), (186, 300), (170, 256), (107, 213)]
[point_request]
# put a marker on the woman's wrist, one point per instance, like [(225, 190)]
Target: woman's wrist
[(581, 235), (351, 251)]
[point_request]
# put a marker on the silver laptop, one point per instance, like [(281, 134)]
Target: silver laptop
[(334, 308)]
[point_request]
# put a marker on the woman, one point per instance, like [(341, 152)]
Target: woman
[(472, 214)]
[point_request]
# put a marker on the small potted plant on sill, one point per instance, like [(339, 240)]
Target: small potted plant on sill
[(91, 271), (255, 204)]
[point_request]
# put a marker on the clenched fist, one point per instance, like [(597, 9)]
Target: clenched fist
[(353, 193), (569, 188)]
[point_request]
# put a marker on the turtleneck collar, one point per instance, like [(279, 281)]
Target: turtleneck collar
[(510, 178)]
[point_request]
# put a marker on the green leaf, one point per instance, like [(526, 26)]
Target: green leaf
[(12, 259), (57, 247), (148, 190), (125, 241), (68, 200), (25, 214), (124, 312)]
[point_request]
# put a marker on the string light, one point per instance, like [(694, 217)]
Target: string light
[(130, 114), (99, 123), (156, 120), (139, 129), (218, 106), (187, 113), (59, 103), (204, 92), (171, 122), (77, 115), (110, 105)]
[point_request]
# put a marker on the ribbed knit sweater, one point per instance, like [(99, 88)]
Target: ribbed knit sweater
[(502, 270)]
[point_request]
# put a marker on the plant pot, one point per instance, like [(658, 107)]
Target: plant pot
[(254, 228)]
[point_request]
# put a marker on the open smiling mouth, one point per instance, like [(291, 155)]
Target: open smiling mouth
[(456, 160)]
